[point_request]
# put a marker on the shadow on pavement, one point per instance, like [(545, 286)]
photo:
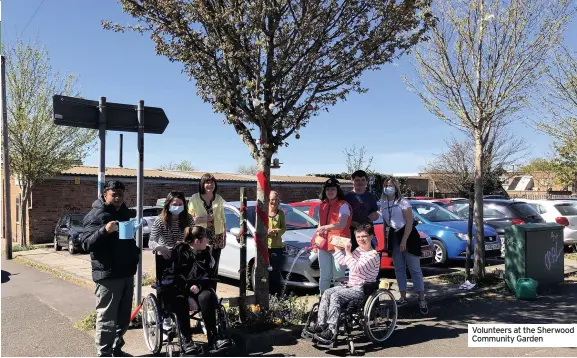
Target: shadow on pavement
[(6, 276)]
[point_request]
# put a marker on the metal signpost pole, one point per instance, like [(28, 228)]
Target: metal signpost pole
[(6, 200), (140, 195), (102, 136), (120, 152)]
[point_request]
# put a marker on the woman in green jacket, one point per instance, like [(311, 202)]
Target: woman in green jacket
[(207, 209), (276, 228)]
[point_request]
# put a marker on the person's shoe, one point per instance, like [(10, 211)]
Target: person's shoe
[(316, 329), (401, 302), (221, 344), (120, 353), (191, 348), (423, 307), (325, 337)]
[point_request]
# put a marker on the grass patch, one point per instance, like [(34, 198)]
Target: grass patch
[(571, 256), (148, 279), (88, 323), (55, 272), (285, 311), (18, 247)]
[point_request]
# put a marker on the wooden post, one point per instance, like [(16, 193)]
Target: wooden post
[(243, 273)]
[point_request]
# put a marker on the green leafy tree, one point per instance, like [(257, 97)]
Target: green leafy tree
[(269, 66), (38, 148), (561, 102), (483, 62), (184, 166)]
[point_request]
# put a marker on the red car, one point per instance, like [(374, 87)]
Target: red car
[(312, 207)]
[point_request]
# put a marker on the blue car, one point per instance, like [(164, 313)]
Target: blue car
[(449, 232)]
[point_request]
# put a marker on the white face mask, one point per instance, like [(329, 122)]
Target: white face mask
[(389, 191), (176, 210)]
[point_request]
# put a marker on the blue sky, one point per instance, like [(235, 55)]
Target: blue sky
[(124, 68)]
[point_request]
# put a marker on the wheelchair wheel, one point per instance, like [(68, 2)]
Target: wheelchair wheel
[(380, 316), (152, 324)]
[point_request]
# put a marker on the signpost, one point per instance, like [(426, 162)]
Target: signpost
[(107, 116)]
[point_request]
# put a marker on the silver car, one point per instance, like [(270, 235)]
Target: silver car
[(300, 230)]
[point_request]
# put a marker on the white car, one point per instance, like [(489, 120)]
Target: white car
[(563, 212)]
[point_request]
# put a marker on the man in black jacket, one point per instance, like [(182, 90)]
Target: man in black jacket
[(114, 263)]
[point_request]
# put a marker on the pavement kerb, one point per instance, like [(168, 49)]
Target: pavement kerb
[(80, 281)]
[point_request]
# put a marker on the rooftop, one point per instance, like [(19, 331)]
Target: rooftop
[(161, 174)]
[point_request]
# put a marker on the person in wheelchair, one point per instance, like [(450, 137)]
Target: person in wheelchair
[(363, 264), (193, 287)]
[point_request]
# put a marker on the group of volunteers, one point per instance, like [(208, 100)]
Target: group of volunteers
[(187, 241), (351, 216)]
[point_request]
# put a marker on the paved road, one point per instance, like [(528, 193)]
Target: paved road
[(444, 331), (38, 312)]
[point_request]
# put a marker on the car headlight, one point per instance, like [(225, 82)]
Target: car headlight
[(462, 236), (295, 251)]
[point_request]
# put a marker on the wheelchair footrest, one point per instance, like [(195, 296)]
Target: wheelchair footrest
[(326, 346), (307, 335)]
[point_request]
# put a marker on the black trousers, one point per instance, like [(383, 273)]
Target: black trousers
[(206, 301), (214, 271), (275, 277)]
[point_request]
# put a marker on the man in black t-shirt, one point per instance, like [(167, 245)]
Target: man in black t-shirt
[(363, 203)]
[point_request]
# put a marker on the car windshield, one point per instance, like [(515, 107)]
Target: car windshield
[(294, 218), (76, 220), (568, 209), (433, 212)]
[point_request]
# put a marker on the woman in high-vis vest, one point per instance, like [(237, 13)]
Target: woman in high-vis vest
[(207, 209), (334, 220)]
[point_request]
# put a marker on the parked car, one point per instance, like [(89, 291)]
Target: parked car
[(562, 212), (300, 231), (67, 233), (449, 232), (500, 214), (450, 204), (312, 207)]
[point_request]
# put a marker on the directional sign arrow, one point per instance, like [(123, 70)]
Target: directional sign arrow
[(77, 112)]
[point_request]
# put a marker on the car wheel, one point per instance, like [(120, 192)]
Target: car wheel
[(56, 246), (71, 248), (440, 252)]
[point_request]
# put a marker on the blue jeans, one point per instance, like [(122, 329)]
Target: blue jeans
[(330, 270), (402, 260)]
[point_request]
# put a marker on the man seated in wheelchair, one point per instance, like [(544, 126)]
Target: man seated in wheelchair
[(363, 264), (193, 288)]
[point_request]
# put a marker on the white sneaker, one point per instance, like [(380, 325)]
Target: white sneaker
[(166, 327)]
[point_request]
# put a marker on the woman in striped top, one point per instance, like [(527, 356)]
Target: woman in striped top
[(363, 264), (168, 229)]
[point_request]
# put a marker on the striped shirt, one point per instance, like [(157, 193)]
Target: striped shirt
[(363, 266), (160, 235)]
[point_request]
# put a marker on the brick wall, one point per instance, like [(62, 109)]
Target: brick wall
[(57, 197)]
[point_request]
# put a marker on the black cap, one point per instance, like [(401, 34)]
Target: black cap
[(114, 185), (332, 182)]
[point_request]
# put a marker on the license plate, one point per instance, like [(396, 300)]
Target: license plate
[(489, 247), (426, 254)]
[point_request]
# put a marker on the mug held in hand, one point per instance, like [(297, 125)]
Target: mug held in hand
[(127, 229), (340, 241)]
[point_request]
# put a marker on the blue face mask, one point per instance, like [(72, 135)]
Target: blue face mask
[(389, 191), (176, 210)]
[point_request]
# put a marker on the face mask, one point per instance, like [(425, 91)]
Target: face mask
[(175, 210), (389, 191)]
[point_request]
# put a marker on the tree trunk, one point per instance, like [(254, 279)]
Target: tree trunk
[(261, 289), (479, 265), (468, 262), (24, 215)]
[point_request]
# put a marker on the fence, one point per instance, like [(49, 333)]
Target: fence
[(538, 195)]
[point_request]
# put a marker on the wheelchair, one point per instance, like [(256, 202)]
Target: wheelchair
[(158, 336), (376, 314)]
